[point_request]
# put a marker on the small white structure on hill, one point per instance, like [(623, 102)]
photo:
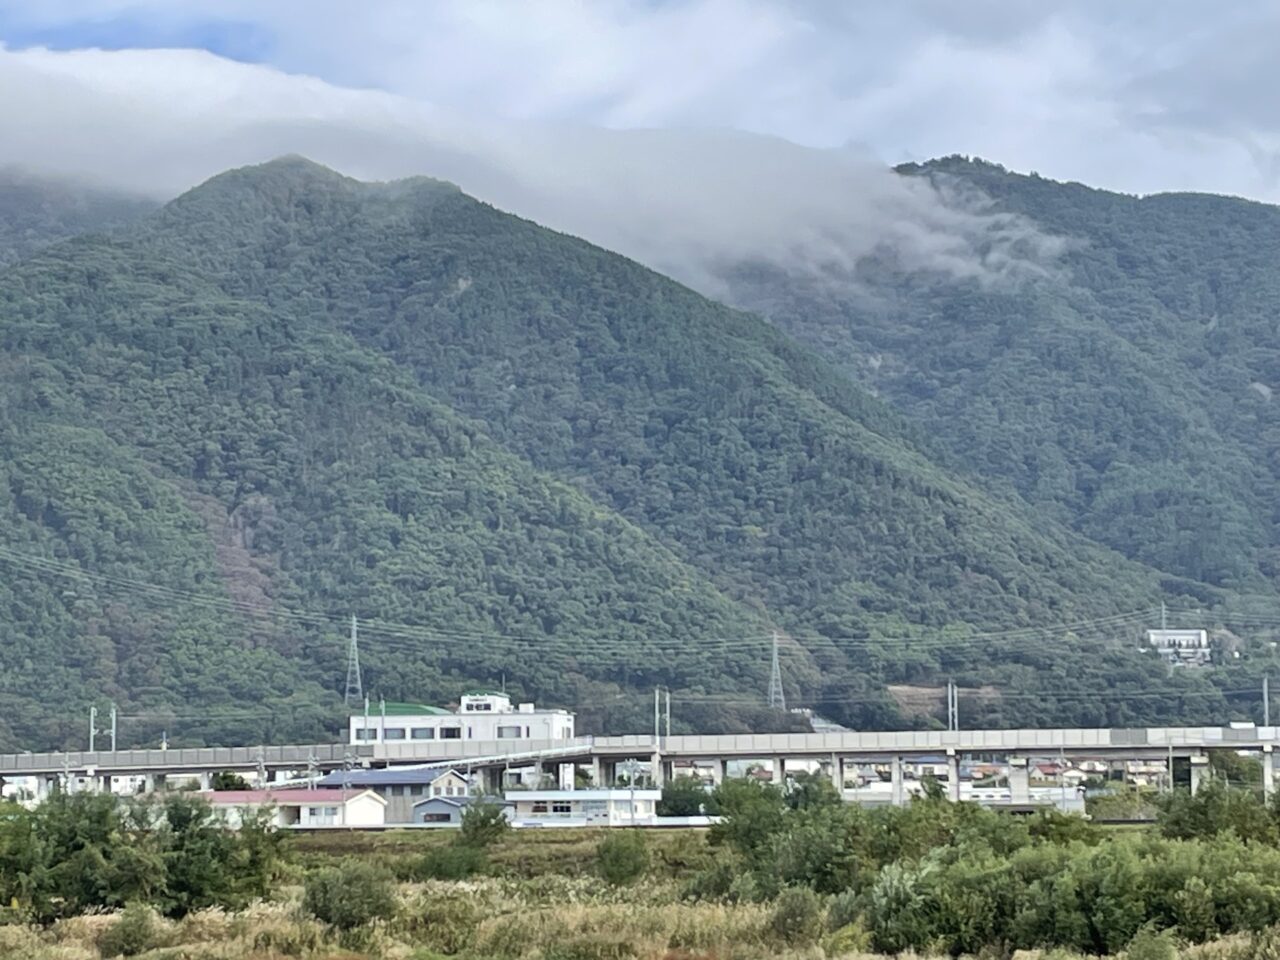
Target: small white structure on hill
[(302, 808), (481, 715), (1182, 648)]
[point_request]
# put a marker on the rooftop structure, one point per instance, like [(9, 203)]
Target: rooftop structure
[(481, 715)]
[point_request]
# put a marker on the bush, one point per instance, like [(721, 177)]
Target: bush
[(135, 932), (1147, 944), (682, 797), (349, 895), (456, 862), (797, 916), (622, 857), (845, 909), (483, 823)]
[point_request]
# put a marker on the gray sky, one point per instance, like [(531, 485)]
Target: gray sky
[(612, 117)]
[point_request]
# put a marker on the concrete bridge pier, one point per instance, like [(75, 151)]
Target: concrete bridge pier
[(719, 771), (779, 772), (1199, 769), (837, 773), (1268, 773), (953, 775), (897, 788), (1019, 780), (655, 770)]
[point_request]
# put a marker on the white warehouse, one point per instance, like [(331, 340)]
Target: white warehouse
[(481, 715)]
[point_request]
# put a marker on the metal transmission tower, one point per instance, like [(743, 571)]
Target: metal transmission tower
[(777, 697), (355, 690)]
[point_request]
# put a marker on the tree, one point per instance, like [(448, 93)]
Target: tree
[(682, 797), (228, 780), (484, 822), (622, 856), (350, 895)]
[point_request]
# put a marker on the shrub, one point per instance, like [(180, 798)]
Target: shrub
[(622, 857), (845, 908), (456, 862), (135, 932), (349, 895), (483, 823), (1147, 944), (682, 797), (797, 916)]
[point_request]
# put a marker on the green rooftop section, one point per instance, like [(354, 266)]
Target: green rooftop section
[(404, 710)]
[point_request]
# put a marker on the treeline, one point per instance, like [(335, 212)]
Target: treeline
[(84, 852), (937, 876)]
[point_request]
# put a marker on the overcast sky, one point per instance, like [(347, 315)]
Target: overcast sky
[(529, 103)]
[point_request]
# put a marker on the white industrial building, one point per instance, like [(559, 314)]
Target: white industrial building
[(481, 715), (1182, 648), (583, 808)]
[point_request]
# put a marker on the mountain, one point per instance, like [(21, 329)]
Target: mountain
[(1127, 393), (36, 211), (288, 396)]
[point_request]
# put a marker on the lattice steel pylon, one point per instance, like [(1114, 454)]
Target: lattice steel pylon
[(777, 696), (355, 689)]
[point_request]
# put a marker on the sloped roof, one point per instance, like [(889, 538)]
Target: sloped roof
[(283, 797), (388, 777)]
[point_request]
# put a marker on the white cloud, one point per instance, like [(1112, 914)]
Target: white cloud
[(682, 201)]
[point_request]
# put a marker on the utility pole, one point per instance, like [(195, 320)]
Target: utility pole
[(93, 727), (1164, 616), (355, 689), (631, 783), (777, 696), (657, 725), (668, 716), (382, 719), (1266, 701), (366, 719), (113, 727)]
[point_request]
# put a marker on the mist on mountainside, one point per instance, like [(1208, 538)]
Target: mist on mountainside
[(686, 202)]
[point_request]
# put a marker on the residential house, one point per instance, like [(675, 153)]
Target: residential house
[(402, 787), (316, 807), (447, 811)]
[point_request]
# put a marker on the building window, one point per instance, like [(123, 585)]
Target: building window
[(397, 791), (508, 733), (367, 733), (393, 733), (330, 811), (448, 791), (435, 818), (561, 806), (450, 733), (416, 790), (540, 807), (424, 733)]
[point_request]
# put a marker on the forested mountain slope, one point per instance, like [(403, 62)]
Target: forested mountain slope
[(1128, 393), (35, 212), (289, 396)]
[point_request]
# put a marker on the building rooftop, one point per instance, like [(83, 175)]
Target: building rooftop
[(485, 693), (284, 797), (389, 776), (406, 710)]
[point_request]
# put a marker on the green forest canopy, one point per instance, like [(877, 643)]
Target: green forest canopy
[(287, 397)]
